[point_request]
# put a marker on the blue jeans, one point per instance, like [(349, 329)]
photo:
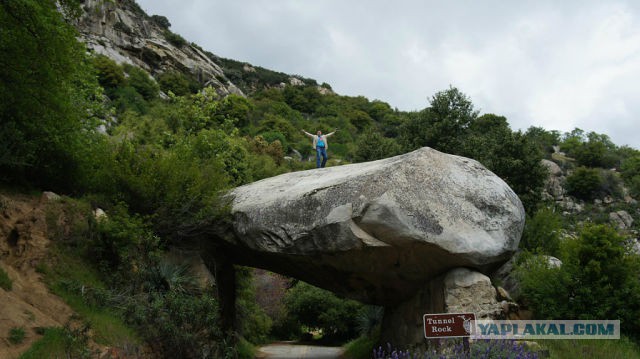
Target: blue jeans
[(321, 151)]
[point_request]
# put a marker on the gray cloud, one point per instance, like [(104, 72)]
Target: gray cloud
[(558, 65)]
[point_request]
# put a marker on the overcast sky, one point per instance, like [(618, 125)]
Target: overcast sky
[(554, 64)]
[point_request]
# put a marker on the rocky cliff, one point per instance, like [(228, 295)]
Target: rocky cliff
[(122, 31)]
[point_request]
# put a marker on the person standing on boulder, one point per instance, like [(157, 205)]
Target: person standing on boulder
[(320, 145)]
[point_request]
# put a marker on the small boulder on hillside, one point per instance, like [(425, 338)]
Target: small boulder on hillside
[(621, 219)]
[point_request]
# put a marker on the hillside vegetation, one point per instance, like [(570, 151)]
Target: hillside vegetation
[(156, 153)]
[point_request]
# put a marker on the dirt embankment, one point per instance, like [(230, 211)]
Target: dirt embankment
[(24, 246)]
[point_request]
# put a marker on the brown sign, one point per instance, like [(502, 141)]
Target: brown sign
[(450, 325)]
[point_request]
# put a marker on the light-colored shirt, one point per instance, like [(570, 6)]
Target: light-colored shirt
[(315, 139)]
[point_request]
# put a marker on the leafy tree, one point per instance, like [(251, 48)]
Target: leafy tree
[(371, 145), (122, 243), (318, 308), (127, 97), (542, 232), (391, 124), (590, 154), (161, 21), (631, 167), (235, 108), (597, 280), (110, 74), (630, 171), (178, 83), (273, 149), (326, 86), (279, 124), (606, 273), (300, 99), (273, 136), (359, 119), (597, 151), (378, 110), (626, 152), (545, 140), (572, 140), (50, 99), (544, 288), (174, 39), (442, 125), (140, 80), (180, 186), (584, 183)]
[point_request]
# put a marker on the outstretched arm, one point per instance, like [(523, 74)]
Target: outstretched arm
[(307, 133), (331, 133)]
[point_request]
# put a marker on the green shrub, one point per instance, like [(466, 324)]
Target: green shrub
[(127, 98), (174, 39), (65, 342), (254, 322), (178, 83), (161, 21), (598, 280), (630, 167), (373, 146), (544, 288), (51, 344), (5, 281), (584, 183), (630, 171), (134, 7), (317, 308), (542, 232), (180, 325), (110, 74), (361, 347), (180, 186), (16, 335), (634, 186), (140, 80), (369, 319), (123, 243), (272, 136), (245, 349)]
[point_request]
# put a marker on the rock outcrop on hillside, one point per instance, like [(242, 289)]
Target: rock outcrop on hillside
[(377, 231), (123, 32)]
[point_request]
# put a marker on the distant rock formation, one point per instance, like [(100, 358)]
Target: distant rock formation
[(124, 33), (553, 189)]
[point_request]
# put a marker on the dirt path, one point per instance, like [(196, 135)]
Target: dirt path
[(290, 350)]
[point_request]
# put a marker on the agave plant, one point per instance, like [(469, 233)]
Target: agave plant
[(369, 318), (177, 277)]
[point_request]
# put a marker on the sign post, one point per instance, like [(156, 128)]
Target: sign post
[(449, 325)]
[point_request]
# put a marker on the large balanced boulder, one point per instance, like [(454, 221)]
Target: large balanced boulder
[(376, 231)]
